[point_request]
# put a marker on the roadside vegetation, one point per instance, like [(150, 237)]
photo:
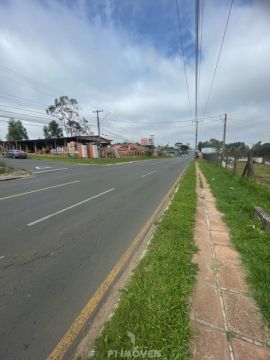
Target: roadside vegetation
[(100, 161), (9, 173), (4, 169), (262, 173), (236, 198), (154, 307)]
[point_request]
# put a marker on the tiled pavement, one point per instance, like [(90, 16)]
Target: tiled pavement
[(226, 322)]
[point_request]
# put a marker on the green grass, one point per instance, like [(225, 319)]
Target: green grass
[(262, 172), (155, 304), (4, 169), (101, 161), (236, 198)]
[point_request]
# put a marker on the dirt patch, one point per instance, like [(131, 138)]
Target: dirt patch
[(11, 174)]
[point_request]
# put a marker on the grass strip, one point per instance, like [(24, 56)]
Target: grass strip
[(100, 161), (236, 198), (262, 172), (155, 304), (4, 169)]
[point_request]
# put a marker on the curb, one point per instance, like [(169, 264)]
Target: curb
[(109, 288), (15, 177), (111, 299)]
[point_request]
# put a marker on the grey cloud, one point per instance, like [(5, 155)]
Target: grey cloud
[(104, 67)]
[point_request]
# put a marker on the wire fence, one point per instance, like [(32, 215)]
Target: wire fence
[(243, 164)]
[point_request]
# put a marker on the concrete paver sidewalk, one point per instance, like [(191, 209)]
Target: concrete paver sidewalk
[(225, 320)]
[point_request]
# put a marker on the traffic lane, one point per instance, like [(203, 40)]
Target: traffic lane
[(16, 213), (43, 180), (34, 165), (73, 256), (45, 291), (76, 171), (29, 290), (50, 166), (47, 180)]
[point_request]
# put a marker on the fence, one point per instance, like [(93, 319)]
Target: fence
[(243, 164)]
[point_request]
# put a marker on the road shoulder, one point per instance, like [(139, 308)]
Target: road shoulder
[(226, 321), (153, 307)]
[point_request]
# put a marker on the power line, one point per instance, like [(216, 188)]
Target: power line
[(23, 109), (21, 98), (197, 22), (218, 58), (163, 122), (15, 76), (200, 50), (21, 106), (178, 127), (183, 53), (26, 123), (11, 114), (118, 135), (21, 103)]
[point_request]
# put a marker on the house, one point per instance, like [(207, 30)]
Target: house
[(61, 146)]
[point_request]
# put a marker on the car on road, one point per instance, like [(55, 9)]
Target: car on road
[(15, 154)]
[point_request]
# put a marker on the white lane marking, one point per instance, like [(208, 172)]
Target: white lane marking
[(2, 257), (43, 171), (69, 207), (38, 190), (150, 173), (42, 167)]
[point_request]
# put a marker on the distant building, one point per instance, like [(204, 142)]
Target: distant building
[(147, 142), (208, 150), (52, 145)]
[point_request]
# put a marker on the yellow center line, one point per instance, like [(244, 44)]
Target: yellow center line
[(74, 330), (70, 336), (38, 190)]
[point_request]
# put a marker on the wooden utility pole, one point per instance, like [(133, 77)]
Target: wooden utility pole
[(98, 126), (196, 134), (249, 170), (224, 134), (197, 50), (224, 140)]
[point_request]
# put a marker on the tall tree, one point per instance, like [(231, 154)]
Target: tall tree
[(238, 146), (16, 130), (85, 128), (217, 144), (66, 110), (184, 149), (53, 130), (260, 149)]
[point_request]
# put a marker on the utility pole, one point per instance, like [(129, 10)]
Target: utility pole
[(196, 131), (224, 134), (197, 24), (196, 134), (98, 126)]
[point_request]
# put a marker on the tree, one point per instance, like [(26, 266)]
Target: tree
[(181, 148), (260, 149), (85, 128), (66, 110), (217, 144), (52, 131), (237, 146), (184, 149), (16, 130)]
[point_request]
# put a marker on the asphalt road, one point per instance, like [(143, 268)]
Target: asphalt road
[(62, 231)]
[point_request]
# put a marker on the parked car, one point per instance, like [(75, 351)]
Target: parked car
[(16, 154)]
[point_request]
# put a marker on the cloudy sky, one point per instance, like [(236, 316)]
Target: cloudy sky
[(124, 56)]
